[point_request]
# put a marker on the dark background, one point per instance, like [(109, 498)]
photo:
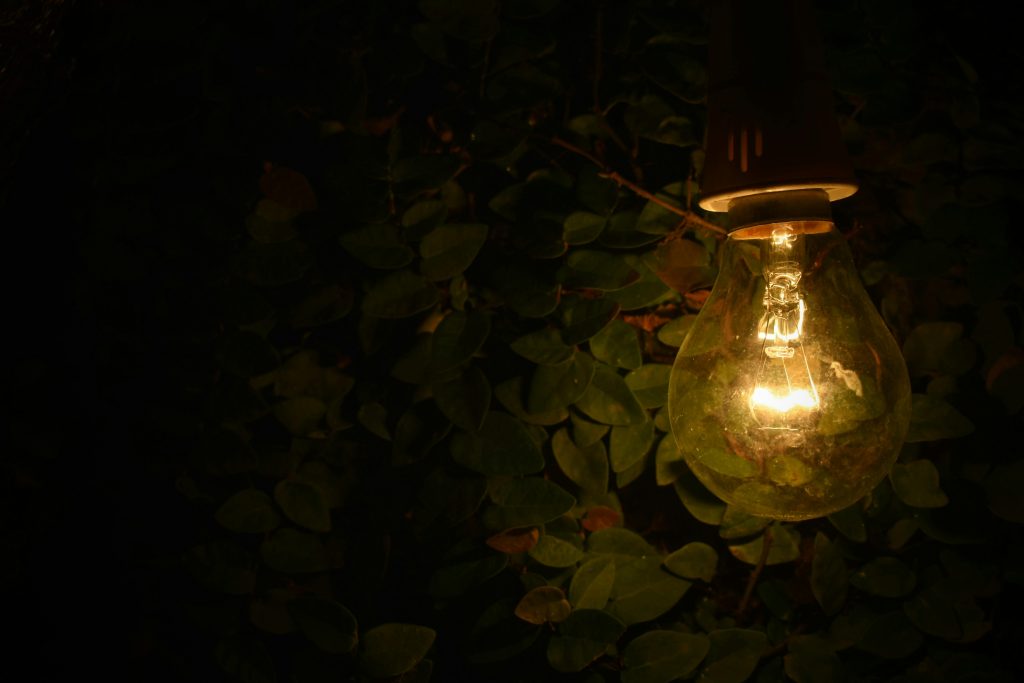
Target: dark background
[(134, 137)]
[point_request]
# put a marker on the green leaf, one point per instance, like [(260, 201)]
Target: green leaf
[(938, 348), (422, 217), (1003, 486), (503, 446), (466, 572), (643, 591), (582, 638), (655, 218), (378, 246), (942, 610), (917, 484), (585, 432), (417, 431), (621, 232), (464, 399), (557, 550), (587, 467), (447, 250), (323, 306), (850, 522), (785, 546), (526, 502), (669, 463), (891, 636), (659, 656), (591, 269), (674, 332), (544, 347), (591, 586), (328, 624), (544, 605), (527, 292), (811, 660), (698, 501), (694, 560), (300, 415), (399, 295), (886, 577), (609, 399), (650, 384), (554, 387), (932, 419), (733, 655), (736, 523), (294, 552), (617, 345), (304, 504), (647, 290), (457, 338), (618, 541), (583, 318), (629, 444), (582, 227), (392, 649), (248, 512), (424, 172), (510, 394), (828, 575)]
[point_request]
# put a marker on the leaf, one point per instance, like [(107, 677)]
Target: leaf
[(629, 444), (669, 463), (937, 348), (643, 591), (248, 512), (617, 345), (527, 292), (587, 467), (464, 399), (674, 332), (582, 227), (736, 523), (323, 306), (785, 547), (291, 551), (609, 400), (583, 318), (886, 577), (659, 656), (392, 649), (1003, 486), (465, 572), (424, 172), (304, 504), (932, 419), (422, 217), (850, 522), (617, 541), (732, 655), (600, 517), (544, 347), (378, 246), (557, 550), (694, 560), (891, 636), (917, 484), (592, 269), (300, 415), (503, 446), (223, 566), (682, 264), (585, 432), (942, 610), (554, 387), (649, 384), (621, 232), (698, 501), (512, 541), (399, 295), (544, 605), (592, 583), (457, 338), (448, 250), (582, 638), (828, 575), (811, 660), (510, 394), (525, 502), (646, 291), (289, 188), (328, 624)]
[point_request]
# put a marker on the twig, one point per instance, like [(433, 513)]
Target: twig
[(766, 547), (690, 217)]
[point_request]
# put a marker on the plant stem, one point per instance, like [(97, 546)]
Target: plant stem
[(755, 575), (690, 218)]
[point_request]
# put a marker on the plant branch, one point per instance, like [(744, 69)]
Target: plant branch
[(690, 218), (766, 547)]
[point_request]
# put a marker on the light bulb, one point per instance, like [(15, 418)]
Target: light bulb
[(789, 397)]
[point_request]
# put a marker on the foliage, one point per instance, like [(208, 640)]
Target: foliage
[(414, 274)]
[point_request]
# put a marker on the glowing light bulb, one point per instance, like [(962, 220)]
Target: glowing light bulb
[(789, 398)]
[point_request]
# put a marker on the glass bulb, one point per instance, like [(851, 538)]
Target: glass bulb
[(789, 397)]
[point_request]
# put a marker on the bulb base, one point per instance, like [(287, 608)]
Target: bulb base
[(810, 207)]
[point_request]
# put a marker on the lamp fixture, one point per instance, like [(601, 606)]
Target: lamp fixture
[(788, 398)]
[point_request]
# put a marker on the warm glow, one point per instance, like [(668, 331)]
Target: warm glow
[(795, 398), (775, 329)]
